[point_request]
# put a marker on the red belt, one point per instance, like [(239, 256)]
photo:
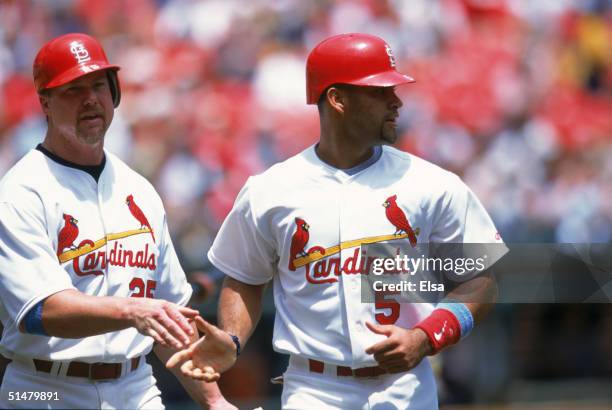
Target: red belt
[(316, 366), (91, 371)]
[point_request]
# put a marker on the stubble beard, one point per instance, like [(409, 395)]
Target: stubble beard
[(388, 135), (81, 135), (90, 136)]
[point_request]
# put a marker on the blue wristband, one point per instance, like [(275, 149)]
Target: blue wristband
[(33, 320), (462, 313)]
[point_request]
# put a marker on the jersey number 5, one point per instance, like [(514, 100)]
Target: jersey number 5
[(390, 305), (140, 290)]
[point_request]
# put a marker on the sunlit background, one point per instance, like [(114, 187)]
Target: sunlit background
[(515, 96)]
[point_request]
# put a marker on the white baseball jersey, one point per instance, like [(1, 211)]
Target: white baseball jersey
[(59, 229), (319, 313)]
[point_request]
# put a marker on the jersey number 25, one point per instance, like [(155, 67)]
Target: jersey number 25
[(140, 290)]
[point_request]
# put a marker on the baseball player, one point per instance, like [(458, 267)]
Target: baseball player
[(89, 278), (300, 224)]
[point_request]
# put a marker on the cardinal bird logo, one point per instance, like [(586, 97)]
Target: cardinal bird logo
[(397, 217), (298, 241), (138, 214), (67, 234)]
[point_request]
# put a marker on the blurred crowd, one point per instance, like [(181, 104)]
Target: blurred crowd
[(513, 95)]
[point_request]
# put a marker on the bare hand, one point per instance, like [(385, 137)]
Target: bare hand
[(207, 358), (402, 350), (165, 322)]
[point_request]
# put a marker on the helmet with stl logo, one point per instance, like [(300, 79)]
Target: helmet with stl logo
[(354, 58), (69, 57)]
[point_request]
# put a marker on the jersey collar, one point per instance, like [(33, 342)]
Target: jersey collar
[(94, 170), (342, 174)]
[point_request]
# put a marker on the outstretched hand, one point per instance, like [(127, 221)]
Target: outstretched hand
[(402, 350), (165, 322), (208, 357)]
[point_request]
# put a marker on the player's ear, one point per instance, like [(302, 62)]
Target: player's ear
[(43, 99), (336, 97)]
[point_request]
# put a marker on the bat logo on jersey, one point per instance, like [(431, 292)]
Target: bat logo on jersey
[(318, 262), (88, 260), (138, 214), (67, 234), (397, 217)]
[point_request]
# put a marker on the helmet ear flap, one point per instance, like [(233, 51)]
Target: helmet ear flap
[(115, 89)]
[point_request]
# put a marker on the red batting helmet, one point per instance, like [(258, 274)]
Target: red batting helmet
[(69, 57), (358, 59)]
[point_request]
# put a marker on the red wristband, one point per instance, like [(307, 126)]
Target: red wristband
[(442, 329)]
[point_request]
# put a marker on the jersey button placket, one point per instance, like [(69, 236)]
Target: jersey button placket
[(102, 186), (348, 280)]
